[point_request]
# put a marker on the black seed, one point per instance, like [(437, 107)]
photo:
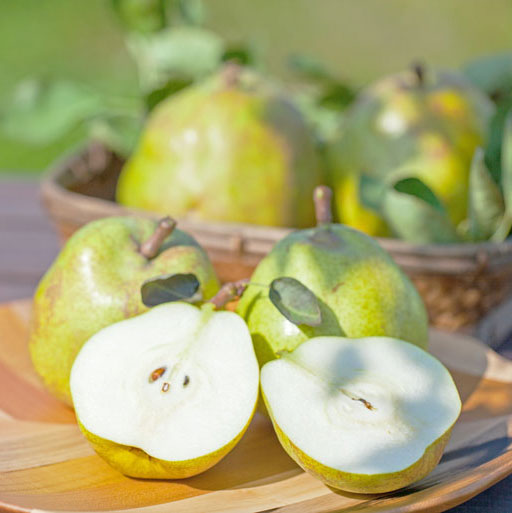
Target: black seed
[(186, 381)]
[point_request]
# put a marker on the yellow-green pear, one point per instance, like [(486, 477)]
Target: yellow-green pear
[(232, 148), (360, 290), (418, 123), (96, 281), (366, 415), (166, 394)]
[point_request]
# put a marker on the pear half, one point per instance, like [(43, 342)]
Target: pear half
[(366, 415), (169, 393)]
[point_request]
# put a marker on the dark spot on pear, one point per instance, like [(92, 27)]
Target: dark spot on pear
[(186, 381), (165, 387), (337, 286)]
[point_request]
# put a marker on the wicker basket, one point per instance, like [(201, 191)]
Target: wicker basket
[(460, 283)]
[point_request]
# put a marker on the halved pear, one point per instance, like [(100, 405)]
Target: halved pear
[(169, 393), (366, 415)]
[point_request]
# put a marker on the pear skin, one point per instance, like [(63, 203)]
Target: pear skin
[(94, 282)]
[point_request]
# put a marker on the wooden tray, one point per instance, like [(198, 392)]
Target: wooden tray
[(46, 464)]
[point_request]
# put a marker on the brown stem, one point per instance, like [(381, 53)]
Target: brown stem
[(150, 248), (322, 197), (229, 292), (231, 73), (419, 71)]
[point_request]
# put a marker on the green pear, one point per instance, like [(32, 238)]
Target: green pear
[(232, 148), (366, 415), (421, 123), (96, 281), (361, 291), (166, 394)]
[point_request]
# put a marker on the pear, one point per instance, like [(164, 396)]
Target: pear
[(366, 415), (232, 148), (361, 291), (166, 394), (96, 280), (418, 123)]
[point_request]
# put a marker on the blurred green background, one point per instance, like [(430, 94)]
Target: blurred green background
[(359, 41)]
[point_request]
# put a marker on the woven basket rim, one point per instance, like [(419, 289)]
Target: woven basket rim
[(429, 257)]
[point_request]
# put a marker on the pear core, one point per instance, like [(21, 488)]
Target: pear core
[(365, 415), (178, 384)]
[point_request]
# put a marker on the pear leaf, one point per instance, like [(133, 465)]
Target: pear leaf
[(371, 192), (309, 67), (492, 74), (506, 162), (192, 11), (416, 215), (486, 206), (140, 15), (295, 301), (118, 133), (168, 288), (177, 53), (496, 128), (42, 111)]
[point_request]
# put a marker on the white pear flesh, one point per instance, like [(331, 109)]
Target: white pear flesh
[(366, 415), (168, 393)]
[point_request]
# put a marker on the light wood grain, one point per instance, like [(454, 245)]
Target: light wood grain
[(46, 465)]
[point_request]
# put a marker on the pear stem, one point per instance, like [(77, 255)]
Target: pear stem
[(419, 71), (150, 248), (231, 73), (322, 197), (229, 292)]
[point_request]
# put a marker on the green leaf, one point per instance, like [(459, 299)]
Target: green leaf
[(144, 16), (118, 133), (309, 67), (168, 288), (492, 74), (493, 149), (295, 301), (41, 112), (372, 192), (486, 206), (192, 11), (154, 97), (178, 53), (416, 215), (506, 162), (241, 54)]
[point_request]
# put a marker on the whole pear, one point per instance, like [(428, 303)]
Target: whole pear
[(361, 291), (96, 280), (420, 123), (232, 148)]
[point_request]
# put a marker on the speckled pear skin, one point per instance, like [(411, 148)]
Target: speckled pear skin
[(399, 128), (362, 292), (134, 462), (94, 282), (225, 152)]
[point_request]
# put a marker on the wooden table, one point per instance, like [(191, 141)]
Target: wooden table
[(28, 245)]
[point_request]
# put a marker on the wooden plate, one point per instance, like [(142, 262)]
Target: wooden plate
[(46, 464)]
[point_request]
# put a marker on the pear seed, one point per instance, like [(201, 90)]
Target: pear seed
[(157, 373), (165, 387), (186, 381)]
